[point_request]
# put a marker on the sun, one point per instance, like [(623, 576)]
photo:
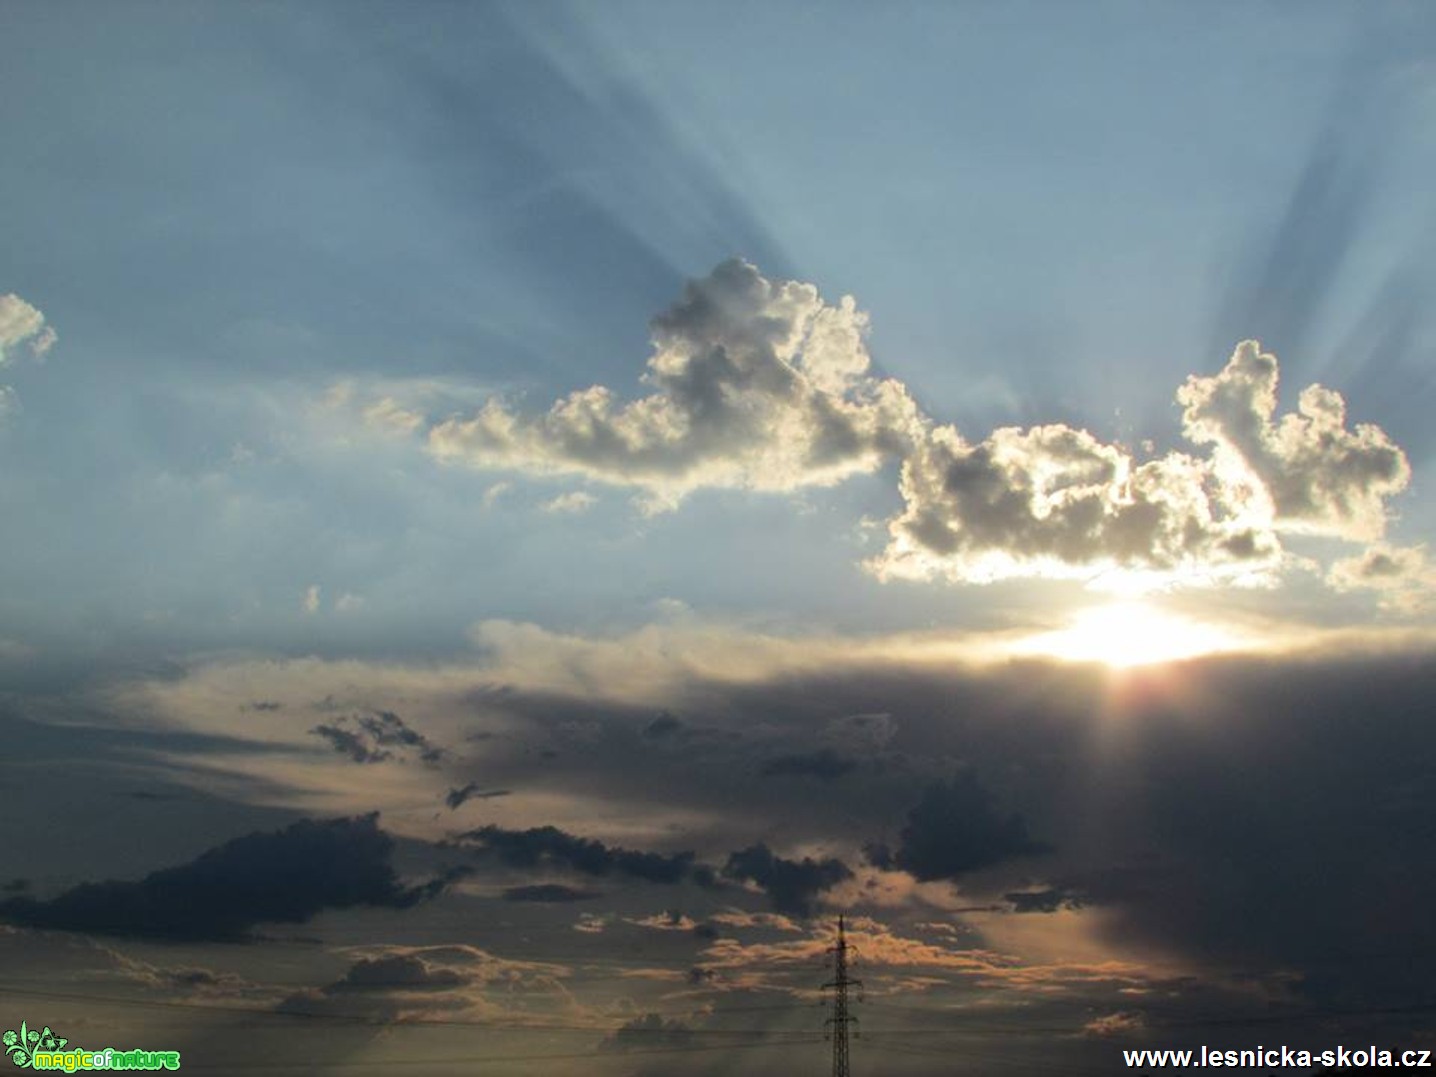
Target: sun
[(1125, 634)]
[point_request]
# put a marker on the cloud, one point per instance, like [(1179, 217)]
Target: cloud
[(1050, 899), (756, 384), (665, 725), (395, 983), (649, 1032), (309, 603), (471, 791), (571, 504), (1402, 576), (791, 885), (283, 876), (21, 322), (389, 416), (548, 893), (1306, 473), (1110, 1025), (1057, 501), (956, 828), (760, 384), (824, 763), (368, 738), (403, 971), (549, 845), (347, 742)]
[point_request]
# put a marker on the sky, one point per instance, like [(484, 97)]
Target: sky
[(513, 517)]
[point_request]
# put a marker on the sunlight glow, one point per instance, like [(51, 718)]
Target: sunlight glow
[(1123, 634)]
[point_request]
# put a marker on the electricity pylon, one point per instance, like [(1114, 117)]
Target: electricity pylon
[(841, 1019)]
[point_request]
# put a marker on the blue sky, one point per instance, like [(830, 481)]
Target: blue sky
[(1045, 225), (491, 367)]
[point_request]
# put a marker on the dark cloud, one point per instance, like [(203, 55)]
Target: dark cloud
[(464, 793), (955, 828), (664, 725), (265, 705), (148, 794), (387, 728), (649, 1032), (791, 885), (824, 763), (403, 971), (376, 737), (1284, 823), (1051, 899), (547, 845), (352, 744), (284, 876), (548, 893)]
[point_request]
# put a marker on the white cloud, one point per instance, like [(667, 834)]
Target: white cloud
[(1403, 577), (19, 321), (1307, 472), (310, 602), (1056, 501), (756, 384), (494, 492), (348, 603), (761, 384), (571, 503), (389, 416)]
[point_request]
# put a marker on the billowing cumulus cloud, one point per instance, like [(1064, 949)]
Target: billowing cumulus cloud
[(756, 384), (1306, 472), (1057, 501), (1403, 577), (761, 384), (21, 323)]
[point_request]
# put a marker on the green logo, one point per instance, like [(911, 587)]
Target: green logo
[(43, 1050), (21, 1046)]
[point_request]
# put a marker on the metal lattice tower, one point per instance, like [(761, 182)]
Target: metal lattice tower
[(841, 1019)]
